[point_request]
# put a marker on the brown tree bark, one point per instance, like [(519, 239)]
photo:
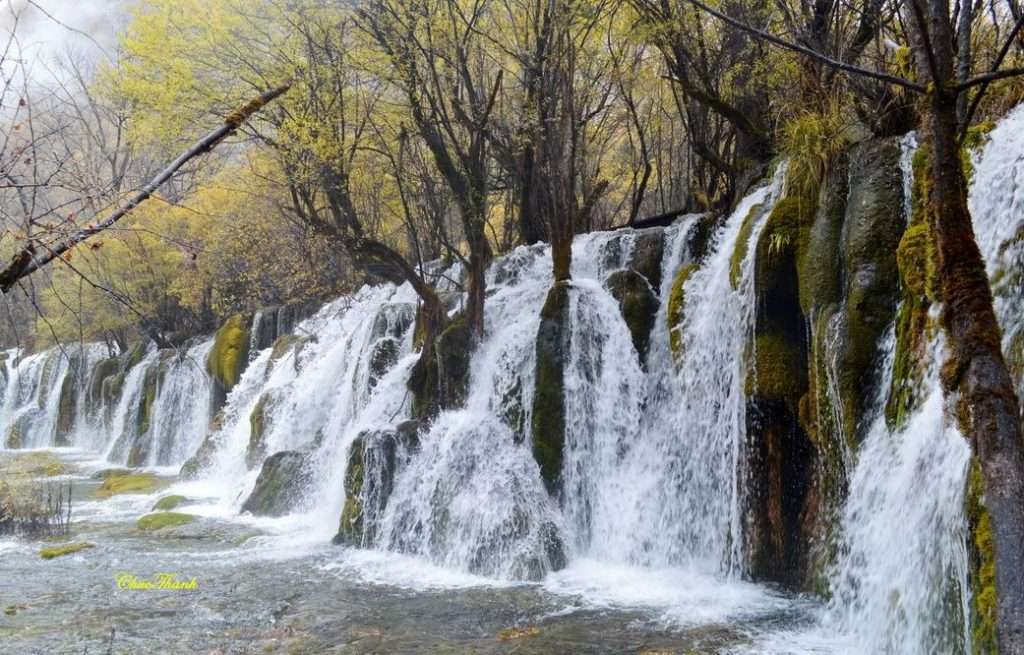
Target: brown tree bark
[(975, 373)]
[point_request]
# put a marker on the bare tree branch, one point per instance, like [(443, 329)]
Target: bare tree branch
[(28, 260)]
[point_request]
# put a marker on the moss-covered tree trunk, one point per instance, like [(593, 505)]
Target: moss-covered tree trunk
[(975, 374)]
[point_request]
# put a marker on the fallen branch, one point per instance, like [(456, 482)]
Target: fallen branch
[(29, 259)]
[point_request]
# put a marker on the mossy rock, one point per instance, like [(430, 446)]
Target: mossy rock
[(638, 304), (229, 356), (350, 528), (168, 503), (104, 369), (111, 473), (257, 448), (287, 343), (547, 425), (132, 483), (373, 462), (739, 253), (67, 406), (440, 380), (648, 251), (161, 520), (15, 438), (916, 258), (138, 453), (281, 484), (65, 549), (206, 451), (676, 310), (778, 369), (34, 464), (820, 265), (454, 349), (384, 356)]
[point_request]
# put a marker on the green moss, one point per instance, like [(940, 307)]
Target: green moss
[(974, 139), (132, 483), (161, 520), (676, 309), (638, 304), (230, 352), (35, 464), (168, 503), (983, 567), (350, 529), (916, 259), (67, 406), (547, 424), (64, 549), (256, 449), (774, 361), (739, 253)]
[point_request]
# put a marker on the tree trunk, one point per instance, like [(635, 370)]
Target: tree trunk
[(976, 374)]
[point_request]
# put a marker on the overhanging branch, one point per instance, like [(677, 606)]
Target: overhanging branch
[(814, 54), (29, 259)]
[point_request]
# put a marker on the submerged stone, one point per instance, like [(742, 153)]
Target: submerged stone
[(281, 484), (161, 520), (129, 483), (168, 503), (64, 549)]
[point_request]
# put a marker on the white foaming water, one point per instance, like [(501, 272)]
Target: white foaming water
[(181, 408), (675, 492), (317, 397), (472, 498), (996, 197), (996, 201), (900, 584)]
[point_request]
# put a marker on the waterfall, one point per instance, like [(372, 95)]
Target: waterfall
[(674, 498), (654, 462), (901, 581), (900, 585), (472, 498)]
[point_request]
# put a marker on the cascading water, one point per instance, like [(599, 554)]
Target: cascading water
[(900, 584), (673, 498), (472, 498), (651, 486)]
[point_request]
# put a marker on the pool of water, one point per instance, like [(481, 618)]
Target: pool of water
[(277, 586)]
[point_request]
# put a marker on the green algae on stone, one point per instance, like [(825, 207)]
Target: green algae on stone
[(131, 483), (547, 423), (638, 304), (676, 310), (230, 352), (161, 520), (64, 549), (34, 464), (739, 253), (350, 528), (168, 503)]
